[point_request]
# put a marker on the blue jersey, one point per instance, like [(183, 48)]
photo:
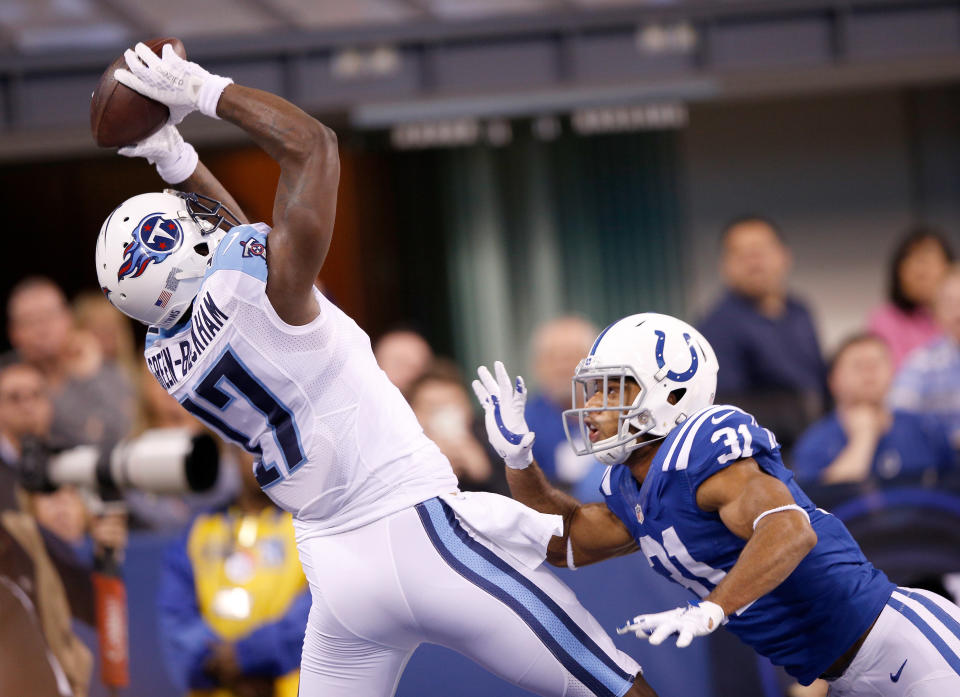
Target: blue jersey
[(811, 618)]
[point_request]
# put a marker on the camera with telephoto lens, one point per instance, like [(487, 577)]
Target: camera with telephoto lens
[(159, 461)]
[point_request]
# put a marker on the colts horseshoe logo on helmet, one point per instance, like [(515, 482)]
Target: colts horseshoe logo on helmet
[(154, 239)]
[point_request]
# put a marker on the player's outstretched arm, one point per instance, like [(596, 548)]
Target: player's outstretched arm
[(306, 151), (760, 509), (591, 532), (306, 199), (776, 542)]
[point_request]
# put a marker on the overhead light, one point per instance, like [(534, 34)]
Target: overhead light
[(677, 38), (641, 117), (432, 134), (545, 127), (365, 63), (499, 133)]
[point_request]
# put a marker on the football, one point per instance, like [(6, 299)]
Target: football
[(118, 115)]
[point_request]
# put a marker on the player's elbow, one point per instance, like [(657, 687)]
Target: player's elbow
[(317, 140)]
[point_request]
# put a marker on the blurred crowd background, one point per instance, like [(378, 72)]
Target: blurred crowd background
[(515, 176)]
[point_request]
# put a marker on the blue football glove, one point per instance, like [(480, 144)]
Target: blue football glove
[(503, 404)]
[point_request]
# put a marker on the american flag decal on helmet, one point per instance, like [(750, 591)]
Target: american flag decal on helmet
[(163, 299)]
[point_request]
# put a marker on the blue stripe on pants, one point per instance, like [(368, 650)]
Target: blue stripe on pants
[(575, 650), (949, 656), (937, 611)]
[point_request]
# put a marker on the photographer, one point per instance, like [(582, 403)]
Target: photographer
[(42, 581)]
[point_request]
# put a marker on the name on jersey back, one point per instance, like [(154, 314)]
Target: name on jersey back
[(172, 363)]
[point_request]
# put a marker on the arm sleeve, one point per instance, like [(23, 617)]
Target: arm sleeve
[(274, 649), (185, 638)]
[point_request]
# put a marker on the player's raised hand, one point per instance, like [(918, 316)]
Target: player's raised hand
[(174, 158), (180, 84), (503, 403), (687, 622)]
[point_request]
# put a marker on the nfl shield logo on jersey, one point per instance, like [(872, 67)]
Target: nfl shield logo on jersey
[(639, 511)]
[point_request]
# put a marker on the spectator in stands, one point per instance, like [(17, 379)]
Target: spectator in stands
[(918, 266), (233, 600), (26, 412), (864, 438), (171, 513), (62, 512), (40, 560), (404, 356), (764, 338), (445, 411), (113, 332), (90, 404), (556, 348), (25, 408), (929, 380)]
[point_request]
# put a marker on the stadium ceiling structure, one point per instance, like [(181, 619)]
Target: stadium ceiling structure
[(372, 64)]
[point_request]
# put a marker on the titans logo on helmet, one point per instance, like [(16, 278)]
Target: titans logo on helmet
[(154, 239)]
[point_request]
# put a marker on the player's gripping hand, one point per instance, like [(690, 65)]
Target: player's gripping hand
[(503, 404), (181, 85), (687, 622), (174, 158)]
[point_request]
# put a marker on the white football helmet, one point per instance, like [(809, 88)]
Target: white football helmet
[(153, 250), (665, 356)]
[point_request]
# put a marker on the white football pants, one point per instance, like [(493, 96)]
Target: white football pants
[(418, 576), (913, 650)]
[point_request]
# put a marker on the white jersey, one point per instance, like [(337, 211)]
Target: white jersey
[(336, 443)]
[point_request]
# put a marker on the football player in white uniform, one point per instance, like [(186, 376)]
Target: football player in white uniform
[(240, 335)]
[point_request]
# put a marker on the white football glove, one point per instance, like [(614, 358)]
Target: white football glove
[(181, 85), (174, 158), (696, 619), (503, 405)]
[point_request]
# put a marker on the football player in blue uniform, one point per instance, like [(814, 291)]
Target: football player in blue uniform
[(702, 491)]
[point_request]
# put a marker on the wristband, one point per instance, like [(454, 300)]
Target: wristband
[(177, 166), (209, 95), (713, 611)]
